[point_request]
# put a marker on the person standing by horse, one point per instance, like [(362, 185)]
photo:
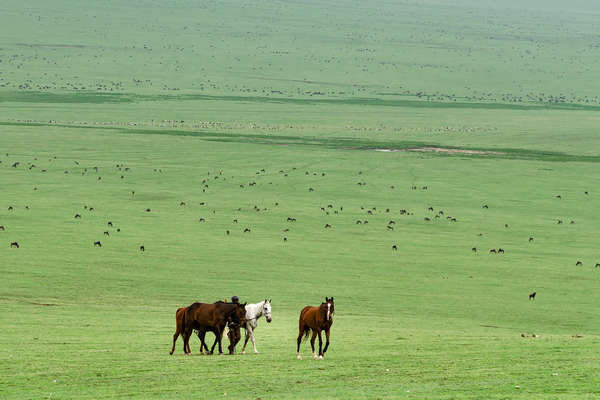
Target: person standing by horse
[(316, 319)]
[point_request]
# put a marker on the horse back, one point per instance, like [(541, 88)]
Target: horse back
[(309, 316)]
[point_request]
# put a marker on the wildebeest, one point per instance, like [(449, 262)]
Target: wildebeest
[(532, 296), (14, 244), (97, 244), (316, 319)]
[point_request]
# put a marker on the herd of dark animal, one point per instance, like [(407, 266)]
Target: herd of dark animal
[(327, 210)]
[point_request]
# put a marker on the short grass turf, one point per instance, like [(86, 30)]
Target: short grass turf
[(193, 100), (430, 320)]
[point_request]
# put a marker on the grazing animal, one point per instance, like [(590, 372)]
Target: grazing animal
[(77, 216), (500, 251), (427, 219), (10, 208), (358, 222), (474, 249), (97, 244), (182, 203), (201, 220), (559, 221), (1, 227), (285, 239), (246, 230), (485, 206), (142, 248), (558, 196), (110, 223), (506, 225), (493, 251), (14, 244), (532, 296), (290, 219), (227, 231), (316, 319), (531, 239), (430, 209), (327, 226), (210, 317), (148, 210), (390, 228), (597, 265), (394, 247), (178, 328), (253, 313), (578, 263), (106, 233)]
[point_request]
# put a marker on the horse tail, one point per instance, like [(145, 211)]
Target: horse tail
[(306, 333), (183, 324)]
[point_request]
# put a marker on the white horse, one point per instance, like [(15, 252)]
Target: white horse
[(253, 313)]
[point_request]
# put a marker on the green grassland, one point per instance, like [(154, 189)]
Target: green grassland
[(240, 108)]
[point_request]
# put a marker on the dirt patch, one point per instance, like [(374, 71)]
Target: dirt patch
[(443, 150)]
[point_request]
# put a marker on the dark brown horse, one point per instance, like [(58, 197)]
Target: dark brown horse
[(316, 319), (210, 317)]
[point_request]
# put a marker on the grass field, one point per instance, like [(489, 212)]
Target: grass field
[(240, 108)]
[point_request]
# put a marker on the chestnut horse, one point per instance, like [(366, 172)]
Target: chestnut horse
[(209, 317), (316, 319)]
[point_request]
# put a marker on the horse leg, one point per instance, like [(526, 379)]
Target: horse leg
[(312, 343), (326, 341), (251, 332), (299, 341), (175, 336), (320, 346), (186, 342), (201, 334), (212, 349), (246, 337), (220, 339)]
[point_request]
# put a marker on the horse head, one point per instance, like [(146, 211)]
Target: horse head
[(267, 310), (328, 308), (240, 312)]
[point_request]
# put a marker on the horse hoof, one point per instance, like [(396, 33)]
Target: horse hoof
[(256, 352), (316, 358), (299, 357), (243, 351), (320, 357)]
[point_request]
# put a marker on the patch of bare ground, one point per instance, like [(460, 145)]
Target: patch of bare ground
[(444, 150)]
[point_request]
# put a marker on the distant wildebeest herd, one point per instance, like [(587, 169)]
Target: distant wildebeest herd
[(216, 317)]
